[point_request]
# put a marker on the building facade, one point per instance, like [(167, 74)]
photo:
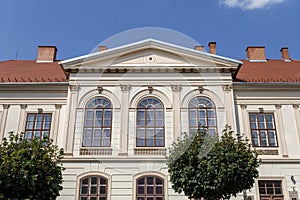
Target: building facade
[(117, 111)]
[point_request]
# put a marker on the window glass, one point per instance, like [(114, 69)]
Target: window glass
[(38, 125), (263, 130), (202, 113), (150, 187), (150, 123), (93, 187), (97, 123)]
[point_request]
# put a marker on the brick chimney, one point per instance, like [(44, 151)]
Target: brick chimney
[(212, 47), (256, 53), (46, 54), (285, 54), (199, 48), (102, 48)]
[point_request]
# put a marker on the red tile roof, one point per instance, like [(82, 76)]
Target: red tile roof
[(31, 71), (270, 71)]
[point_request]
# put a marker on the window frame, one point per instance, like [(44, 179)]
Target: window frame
[(145, 110), (41, 130), (93, 127), (97, 195), (146, 185), (214, 108), (267, 129), (273, 187)]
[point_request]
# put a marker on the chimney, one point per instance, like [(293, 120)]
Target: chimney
[(46, 54), (256, 53), (212, 47), (199, 48), (285, 54), (102, 48)]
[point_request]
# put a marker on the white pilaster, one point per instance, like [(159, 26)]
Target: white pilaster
[(73, 89), (55, 123), (229, 104), (124, 120), (22, 118), (297, 117), (176, 111), (3, 120), (280, 131)]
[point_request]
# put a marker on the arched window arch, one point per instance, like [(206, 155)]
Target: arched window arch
[(150, 123), (202, 112), (150, 188), (97, 123), (93, 187)]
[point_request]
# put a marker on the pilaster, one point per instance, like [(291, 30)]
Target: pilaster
[(22, 118), (176, 110), (73, 92), (125, 89), (280, 131), (229, 104), (3, 120)]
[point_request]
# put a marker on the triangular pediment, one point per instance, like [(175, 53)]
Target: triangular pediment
[(150, 54)]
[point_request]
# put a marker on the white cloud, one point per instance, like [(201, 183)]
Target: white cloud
[(250, 4)]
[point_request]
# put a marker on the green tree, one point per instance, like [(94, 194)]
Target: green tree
[(212, 167), (30, 169)]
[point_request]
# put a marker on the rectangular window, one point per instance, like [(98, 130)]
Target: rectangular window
[(263, 130), (38, 125), (270, 190)]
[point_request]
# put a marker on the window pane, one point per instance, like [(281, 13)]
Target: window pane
[(141, 181), (102, 189), (150, 190), (150, 180), (159, 190), (255, 139), (28, 135), (141, 190), (272, 137), (84, 189), (98, 118), (263, 138)]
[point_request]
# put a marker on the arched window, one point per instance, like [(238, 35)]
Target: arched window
[(93, 188), (97, 123), (150, 123), (202, 112), (150, 188)]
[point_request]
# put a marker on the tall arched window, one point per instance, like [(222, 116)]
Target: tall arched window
[(150, 123), (93, 188), (97, 123), (150, 188), (202, 112)]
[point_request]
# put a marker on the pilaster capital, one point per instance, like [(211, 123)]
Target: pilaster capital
[(277, 106), (125, 88), (227, 87), (296, 106), (176, 88), (6, 106), (74, 88), (243, 106), (23, 106), (58, 106)]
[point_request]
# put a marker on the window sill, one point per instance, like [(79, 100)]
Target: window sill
[(96, 151), (152, 151)]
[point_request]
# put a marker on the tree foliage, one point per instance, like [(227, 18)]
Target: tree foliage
[(30, 169), (211, 167)]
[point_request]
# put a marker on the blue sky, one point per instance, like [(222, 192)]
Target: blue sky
[(76, 27)]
